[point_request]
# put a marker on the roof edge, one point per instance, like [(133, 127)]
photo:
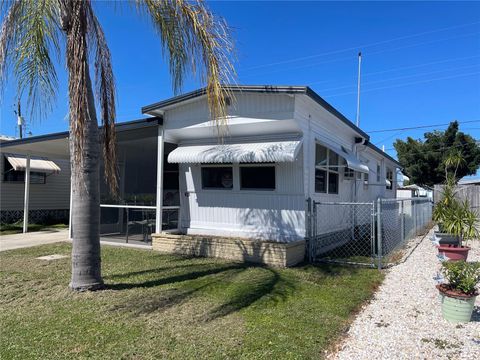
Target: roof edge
[(286, 89), (59, 135), (383, 153)]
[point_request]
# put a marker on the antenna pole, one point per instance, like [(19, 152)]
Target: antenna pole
[(358, 88), (19, 119)]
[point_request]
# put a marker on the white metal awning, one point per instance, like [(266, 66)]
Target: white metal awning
[(279, 151), (352, 161), (19, 163)]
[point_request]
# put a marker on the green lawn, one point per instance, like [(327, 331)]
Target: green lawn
[(8, 229), (163, 306)]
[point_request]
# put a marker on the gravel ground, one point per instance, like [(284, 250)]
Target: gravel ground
[(404, 319)]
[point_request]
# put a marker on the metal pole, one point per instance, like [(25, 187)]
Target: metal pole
[(402, 221), (414, 215), (159, 202), (27, 195), (379, 233), (358, 88)]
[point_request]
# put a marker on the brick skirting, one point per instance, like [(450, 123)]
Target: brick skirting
[(257, 251)]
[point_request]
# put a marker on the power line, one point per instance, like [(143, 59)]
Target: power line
[(404, 77), (406, 84), (360, 46), (444, 147), (420, 127)]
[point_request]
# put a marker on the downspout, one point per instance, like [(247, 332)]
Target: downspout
[(358, 142)]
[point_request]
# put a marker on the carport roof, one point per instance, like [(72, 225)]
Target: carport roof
[(56, 144)]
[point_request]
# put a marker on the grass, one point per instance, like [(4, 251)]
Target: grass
[(165, 306), (17, 228)]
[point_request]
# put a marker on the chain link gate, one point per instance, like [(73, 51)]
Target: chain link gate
[(363, 233)]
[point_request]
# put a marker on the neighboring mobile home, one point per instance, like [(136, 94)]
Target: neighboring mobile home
[(242, 196)]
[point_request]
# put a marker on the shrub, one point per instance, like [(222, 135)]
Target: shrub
[(462, 276)]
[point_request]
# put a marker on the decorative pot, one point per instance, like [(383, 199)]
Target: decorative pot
[(447, 239), (454, 253), (456, 307)]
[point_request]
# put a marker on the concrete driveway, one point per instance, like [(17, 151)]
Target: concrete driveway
[(16, 241)]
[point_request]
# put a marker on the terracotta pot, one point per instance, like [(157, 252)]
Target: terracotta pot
[(454, 253), (456, 307)]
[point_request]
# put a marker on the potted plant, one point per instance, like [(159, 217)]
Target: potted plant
[(443, 211), (460, 222), (459, 292), (456, 220)]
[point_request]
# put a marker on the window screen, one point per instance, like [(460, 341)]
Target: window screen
[(257, 177), (11, 175), (217, 177)]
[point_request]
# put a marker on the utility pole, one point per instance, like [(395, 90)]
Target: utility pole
[(20, 121), (358, 88)]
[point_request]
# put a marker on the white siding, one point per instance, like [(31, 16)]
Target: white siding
[(54, 194), (273, 215)]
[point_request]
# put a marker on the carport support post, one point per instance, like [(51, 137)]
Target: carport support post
[(159, 202), (27, 195)]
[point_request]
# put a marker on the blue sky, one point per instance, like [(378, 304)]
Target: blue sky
[(421, 61)]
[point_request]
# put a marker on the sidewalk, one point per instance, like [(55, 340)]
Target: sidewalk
[(17, 241)]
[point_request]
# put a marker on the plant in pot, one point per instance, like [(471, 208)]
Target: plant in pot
[(459, 292), (443, 211), (461, 223)]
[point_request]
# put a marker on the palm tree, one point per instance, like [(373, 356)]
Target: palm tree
[(33, 32)]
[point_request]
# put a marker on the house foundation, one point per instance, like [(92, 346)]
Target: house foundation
[(278, 254)]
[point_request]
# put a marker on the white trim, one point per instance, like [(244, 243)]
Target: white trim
[(27, 194), (159, 202)]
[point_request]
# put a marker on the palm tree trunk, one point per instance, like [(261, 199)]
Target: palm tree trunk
[(86, 268)]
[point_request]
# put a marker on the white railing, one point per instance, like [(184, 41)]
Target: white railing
[(136, 222)]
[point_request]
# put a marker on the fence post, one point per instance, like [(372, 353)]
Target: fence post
[(402, 221), (379, 233), (414, 215)]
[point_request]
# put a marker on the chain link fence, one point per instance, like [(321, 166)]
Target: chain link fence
[(371, 233)]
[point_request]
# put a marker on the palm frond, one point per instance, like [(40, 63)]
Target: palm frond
[(105, 94), (29, 35), (195, 40)]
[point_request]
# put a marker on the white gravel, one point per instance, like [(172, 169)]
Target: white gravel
[(404, 319)]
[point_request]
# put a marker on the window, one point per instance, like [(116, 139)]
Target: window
[(257, 177), (389, 177), (365, 181), (11, 175), (326, 170), (220, 177), (379, 171), (348, 174)]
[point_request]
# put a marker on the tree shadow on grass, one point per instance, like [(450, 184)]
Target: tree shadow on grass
[(156, 270), (269, 286), (191, 275), (167, 298), (240, 288)]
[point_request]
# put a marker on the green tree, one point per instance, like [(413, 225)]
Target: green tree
[(34, 32), (426, 161)]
